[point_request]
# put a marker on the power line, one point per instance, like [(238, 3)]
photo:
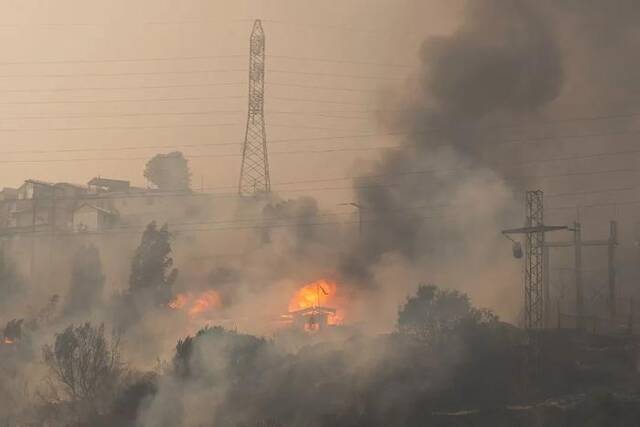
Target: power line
[(205, 112), (200, 71), (317, 101), (351, 76), (321, 138), (340, 61), (70, 89), (395, 184), (124, 73), (345, 89), (137, 114), (307, 25), (96, 61), (583, 193), (593, 205), (183, 86), (199, 57), (71, 129), (180, 194), (101, 101), (198, 155), (129, 229)]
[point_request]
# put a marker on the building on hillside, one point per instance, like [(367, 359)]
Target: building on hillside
[(38, 205), (107, 185), (90, 218), (103, 204)]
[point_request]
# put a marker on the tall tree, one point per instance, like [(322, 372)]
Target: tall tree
[(151, 268), (169, 172), (87, 281)]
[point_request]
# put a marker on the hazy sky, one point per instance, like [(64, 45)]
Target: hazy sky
[(51, 50)]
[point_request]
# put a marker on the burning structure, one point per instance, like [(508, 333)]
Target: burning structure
[(313, 318), (309, 309)]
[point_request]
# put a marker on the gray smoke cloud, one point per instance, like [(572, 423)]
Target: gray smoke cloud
[(489, 101), (502, 63)]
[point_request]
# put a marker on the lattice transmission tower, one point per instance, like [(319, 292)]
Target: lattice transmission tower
[(254, 173), (536, 294), (534, 304)]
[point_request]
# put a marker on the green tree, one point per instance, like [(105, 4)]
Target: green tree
[(87, 281), (151, 268), (169, 172)]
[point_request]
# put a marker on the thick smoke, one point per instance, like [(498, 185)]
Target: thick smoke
[(489, 107), (442, 197)]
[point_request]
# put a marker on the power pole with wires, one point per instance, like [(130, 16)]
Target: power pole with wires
[(578, 244), (536, 304), (254, 173)]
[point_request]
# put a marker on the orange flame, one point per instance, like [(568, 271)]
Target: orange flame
[(318, 293), (207, 301), (179, 301), (196, 305), (8, 341), (321, 293)]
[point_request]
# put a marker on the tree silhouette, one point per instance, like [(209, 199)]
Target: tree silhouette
[(151, 268), (169, 172), (85, 368), (434, 314)]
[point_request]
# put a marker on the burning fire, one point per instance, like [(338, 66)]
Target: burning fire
[(321, 293), (315, 294), (8, 341), (196, 305), (179, 301), (209, 300)]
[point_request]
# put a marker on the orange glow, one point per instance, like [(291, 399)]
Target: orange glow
[(336, 319), (207, 301), (179, 301), (8, 341), (321, 293), (315, 294), (196, 305)]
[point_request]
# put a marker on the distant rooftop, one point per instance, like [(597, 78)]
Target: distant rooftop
[(110, 184)]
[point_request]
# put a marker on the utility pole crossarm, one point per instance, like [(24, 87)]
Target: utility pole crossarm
[(535, 229)]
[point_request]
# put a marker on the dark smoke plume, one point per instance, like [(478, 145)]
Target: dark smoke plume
[(502, 63)]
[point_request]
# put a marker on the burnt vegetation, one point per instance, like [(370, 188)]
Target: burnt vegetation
[(448, 363)]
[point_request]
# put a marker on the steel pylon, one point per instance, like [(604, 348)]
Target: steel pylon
[(254, 172)]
